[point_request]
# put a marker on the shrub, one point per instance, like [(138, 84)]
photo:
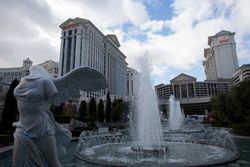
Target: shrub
[(86, 119), (242, 129), (6, 139), (219, 124), (62, 118)]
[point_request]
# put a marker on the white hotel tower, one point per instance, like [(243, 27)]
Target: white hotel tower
[(82, 44), (221, 59)]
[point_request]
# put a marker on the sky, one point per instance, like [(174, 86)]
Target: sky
[(173, 33)]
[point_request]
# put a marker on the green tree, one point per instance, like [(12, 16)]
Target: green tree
[(92, 109), (52, 108), (101, 111), (83, 112), (117, 109), (241, 99), (233, 106), (108, 108), (10, 111), (57, 110)]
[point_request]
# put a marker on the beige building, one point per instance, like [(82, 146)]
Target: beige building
[(9, 74), (83, 44), (132, 81), (194, 95), (52, 67), (242, 74), (220, 58)]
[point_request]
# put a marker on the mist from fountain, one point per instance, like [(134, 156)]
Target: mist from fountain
[(176, 116), (149, 129)]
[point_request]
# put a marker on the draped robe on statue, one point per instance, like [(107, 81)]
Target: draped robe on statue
[(36, 122), (39, 139)]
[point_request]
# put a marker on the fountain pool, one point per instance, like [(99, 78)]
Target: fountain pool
[(69, 160), (149, 146)]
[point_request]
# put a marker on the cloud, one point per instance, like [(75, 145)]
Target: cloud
[(104, 14), (29, 25), (30, 29), (20, 36), (183, 45)]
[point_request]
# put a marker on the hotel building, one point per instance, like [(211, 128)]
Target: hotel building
[(194, 95), (7, 75), (242, 74), (220, 66), (52, 67), (220, 58), (83, 44), (132, 81)]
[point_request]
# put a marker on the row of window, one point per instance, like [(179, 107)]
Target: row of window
[(189, 91)]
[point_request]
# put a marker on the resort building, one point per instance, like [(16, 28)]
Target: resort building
[(193, 95), (221, 70), (220, 58), (242, 74), (83, 44), (9, 74), (132, 81), (52, 67)]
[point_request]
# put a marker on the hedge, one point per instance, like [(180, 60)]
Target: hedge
[(62, 118), (219, 124), (6, 139), (242, 129)]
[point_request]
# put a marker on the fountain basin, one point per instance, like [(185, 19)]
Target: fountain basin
[(178, 154), (183, 131), (150, 151)]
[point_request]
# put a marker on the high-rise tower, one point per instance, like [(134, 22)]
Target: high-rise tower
[(221, 58), (83, 44)]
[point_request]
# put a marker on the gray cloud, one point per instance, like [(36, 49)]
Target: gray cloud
[(14, 52), (19, 35), (35, 11)]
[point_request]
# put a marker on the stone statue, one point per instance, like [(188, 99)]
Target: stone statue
[(39, 139)]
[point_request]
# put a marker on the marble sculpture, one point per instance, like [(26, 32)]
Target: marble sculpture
[(39, 139)]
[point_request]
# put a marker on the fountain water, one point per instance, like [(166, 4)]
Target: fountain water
[(149, 130), (205, 148), (176, 116)]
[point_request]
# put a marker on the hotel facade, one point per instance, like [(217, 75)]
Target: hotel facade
[(193, 95), (7, 75), (132, 81), (242, 74), (221, 70), (221, 60), (83, 44)]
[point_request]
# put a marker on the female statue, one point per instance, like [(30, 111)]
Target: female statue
[(39, 139)]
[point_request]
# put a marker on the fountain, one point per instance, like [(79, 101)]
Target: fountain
[(176, 121), (150, 146), (149, 138), (176, 116)]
